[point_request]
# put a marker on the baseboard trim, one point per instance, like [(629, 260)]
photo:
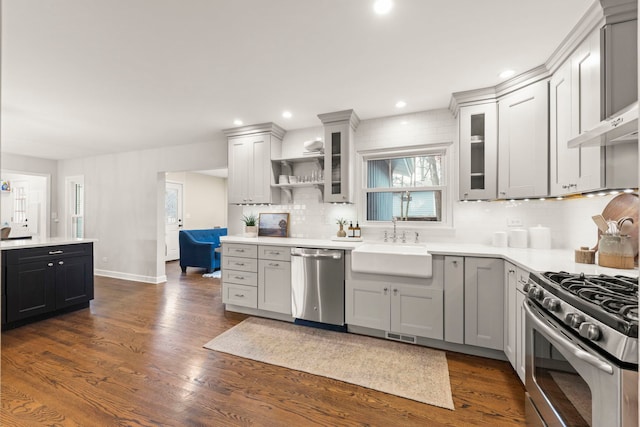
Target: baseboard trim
[(131, 277)]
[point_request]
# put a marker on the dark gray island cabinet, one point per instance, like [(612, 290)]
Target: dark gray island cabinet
[(39, 282)]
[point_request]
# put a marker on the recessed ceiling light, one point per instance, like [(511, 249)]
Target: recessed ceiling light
[(506, 74), (287, 114), (382, 7), (401, 104), (237, 122)]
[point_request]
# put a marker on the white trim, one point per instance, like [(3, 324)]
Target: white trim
[(446, 149), (131, 277)]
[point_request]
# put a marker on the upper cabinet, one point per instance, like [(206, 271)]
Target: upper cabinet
[(478, 151), (523, 141), (574, 108), (250, 173), (339, 152)]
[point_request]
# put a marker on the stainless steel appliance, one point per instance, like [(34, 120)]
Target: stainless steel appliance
[(581, 350), (317, 285)]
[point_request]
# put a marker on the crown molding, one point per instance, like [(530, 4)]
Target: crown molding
[(341, 116), (270, 127), (475, 96)]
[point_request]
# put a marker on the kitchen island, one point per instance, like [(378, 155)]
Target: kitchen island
[(44, 277)]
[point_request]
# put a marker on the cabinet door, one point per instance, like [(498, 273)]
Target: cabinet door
[(484, 302), (74, 281), (478, 152), (585, 106), (238, 180), (30, 289), (454, 299), (274, 286), (520, 335), (417, 310), (510, 312), (338, 179), (367, 304), (523, 142)]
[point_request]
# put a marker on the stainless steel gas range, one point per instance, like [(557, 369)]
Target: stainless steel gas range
[(581, 350)]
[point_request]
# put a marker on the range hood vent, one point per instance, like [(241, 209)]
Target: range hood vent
[(618, 129)]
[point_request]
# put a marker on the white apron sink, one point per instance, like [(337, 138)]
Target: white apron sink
[(392, 259)]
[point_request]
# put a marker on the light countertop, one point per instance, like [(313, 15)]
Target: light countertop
[(37, 242), (530, 259)]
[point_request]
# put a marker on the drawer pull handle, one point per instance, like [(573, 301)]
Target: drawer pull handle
[(55, 252), (273, 264), (239, 295), (274, 253), (60, 262), (240, 263), (50, 264), (240, 277), (239, 250)]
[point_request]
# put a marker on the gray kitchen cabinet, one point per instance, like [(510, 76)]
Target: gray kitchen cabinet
[(454, 299), (339, 152), (523, 142), (484, 302), (510, 312), (395, 307), (251, 176), (398, 305), (274, 279), (522, 278), (574, 101), (240, 274), (478, 151)]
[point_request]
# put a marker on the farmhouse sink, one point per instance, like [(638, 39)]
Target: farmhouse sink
[(392, 259)]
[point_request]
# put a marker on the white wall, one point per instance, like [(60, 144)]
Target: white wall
[(473, 222), (124, 200)]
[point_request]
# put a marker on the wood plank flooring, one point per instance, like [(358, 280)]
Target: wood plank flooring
[(135, 358)]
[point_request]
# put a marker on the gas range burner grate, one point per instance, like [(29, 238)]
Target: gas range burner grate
[(615, 286)]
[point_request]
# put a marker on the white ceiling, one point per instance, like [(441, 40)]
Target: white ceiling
[(88, 77)]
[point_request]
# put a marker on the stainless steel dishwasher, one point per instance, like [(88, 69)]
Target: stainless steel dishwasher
[(317, 286)]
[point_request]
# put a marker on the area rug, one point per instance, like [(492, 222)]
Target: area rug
[(404, 370)]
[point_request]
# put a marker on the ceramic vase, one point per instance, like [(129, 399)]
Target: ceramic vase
[(250, 231), (341, 232)]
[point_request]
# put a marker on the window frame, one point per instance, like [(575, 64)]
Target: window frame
[(446, 188)]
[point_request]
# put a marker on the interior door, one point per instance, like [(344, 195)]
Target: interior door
[(173, 219)]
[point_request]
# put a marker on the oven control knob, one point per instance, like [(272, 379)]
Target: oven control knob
[(551, 304), (526, 287), (536, 293), (574, 320), (590, 331)]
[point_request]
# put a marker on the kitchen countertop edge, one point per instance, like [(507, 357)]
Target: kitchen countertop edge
[(538, 260), (36, 242)]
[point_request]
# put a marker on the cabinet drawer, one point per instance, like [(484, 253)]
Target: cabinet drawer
[(240, 277), (246, 296), (19, 256), (239, 250), (240, 264), (278, 253)]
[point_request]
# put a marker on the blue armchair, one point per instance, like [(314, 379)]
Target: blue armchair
[(197, 248)]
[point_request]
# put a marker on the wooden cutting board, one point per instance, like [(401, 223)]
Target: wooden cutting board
[(619, 207)]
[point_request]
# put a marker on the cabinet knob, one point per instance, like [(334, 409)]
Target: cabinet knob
[(50, 264), (454, 263), (395, 291), (60, 262), (511, 271), (385, 290)]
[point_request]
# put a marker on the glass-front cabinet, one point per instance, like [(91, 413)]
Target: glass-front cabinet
[(478, 151), (339, 128)]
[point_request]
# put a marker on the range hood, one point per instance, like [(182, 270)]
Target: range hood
[(621, 127)]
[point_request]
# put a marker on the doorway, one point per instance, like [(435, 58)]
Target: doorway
[(25, 204), (173, 206)]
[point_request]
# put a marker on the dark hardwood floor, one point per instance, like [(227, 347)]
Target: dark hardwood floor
[(135, 358)]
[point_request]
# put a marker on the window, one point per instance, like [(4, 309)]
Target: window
[(75, 207), (406, 187)]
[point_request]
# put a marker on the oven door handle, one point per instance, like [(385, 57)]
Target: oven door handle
[(562, 341)]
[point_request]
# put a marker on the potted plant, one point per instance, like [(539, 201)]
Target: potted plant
[(341, 222), (250, 225)]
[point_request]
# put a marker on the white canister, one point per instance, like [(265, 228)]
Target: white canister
[(499, 239), (540, 237), (518, 238)]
